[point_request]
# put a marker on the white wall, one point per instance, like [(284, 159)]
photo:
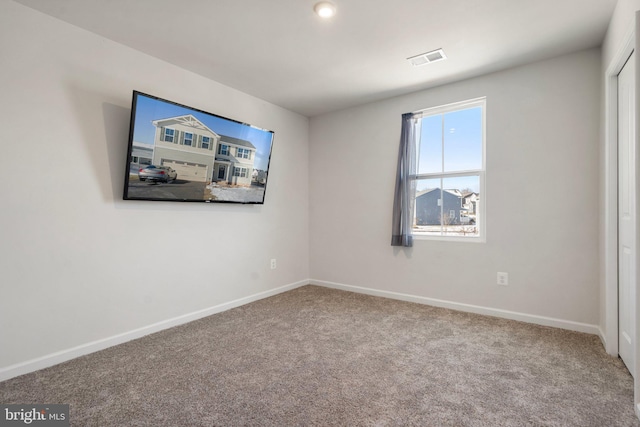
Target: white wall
[(541, 199), (78, 264)]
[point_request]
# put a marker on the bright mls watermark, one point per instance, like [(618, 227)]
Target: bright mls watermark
[(34, 415)]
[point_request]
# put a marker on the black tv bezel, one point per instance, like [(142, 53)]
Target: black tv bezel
[(132, 121)]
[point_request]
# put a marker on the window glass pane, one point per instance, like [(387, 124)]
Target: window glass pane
[(428, 207), (447, 206), (461, 199), (463, 140), (430, 145), (464, 184)]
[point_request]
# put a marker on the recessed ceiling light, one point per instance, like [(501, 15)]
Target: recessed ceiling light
[(427, 58), (325, 9)]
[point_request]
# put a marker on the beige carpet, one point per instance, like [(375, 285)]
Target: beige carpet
[(321, 357)]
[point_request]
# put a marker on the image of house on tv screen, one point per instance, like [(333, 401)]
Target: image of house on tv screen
[(183, 154)]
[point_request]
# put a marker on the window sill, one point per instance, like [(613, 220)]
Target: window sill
[(478, 239)]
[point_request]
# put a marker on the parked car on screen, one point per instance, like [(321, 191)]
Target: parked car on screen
[(157, 173)]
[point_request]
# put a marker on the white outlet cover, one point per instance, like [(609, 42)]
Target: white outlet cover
[(503, 278)]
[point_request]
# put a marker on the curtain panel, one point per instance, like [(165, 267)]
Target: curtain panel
[(405, 190)]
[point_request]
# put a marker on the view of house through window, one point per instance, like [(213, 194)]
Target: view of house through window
[(450, 171)]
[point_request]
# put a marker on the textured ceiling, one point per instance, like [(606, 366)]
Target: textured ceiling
[(280, 51)]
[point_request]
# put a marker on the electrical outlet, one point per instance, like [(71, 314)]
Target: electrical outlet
[(273, 264), (503, 279)]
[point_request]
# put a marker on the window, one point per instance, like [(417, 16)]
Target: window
[(223, 149), (168, 135), (240, 172), (188, 139), (243, 153), (206, 142), (450, 167)]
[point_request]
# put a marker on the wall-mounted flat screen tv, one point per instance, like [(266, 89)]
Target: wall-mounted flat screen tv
[(181, 154)]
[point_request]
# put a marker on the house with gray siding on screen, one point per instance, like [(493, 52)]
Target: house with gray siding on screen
[(141, 154), (234, 161)]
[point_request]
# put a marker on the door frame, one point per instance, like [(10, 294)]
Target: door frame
[(223, 169), (610, 242)]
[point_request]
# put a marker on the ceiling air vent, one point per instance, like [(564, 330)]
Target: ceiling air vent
[(426, 58)]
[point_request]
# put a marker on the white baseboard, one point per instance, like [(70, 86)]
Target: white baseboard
[(81, 350), (505, 314), (603, 338), (84, 349)]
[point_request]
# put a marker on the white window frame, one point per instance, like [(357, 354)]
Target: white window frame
[(223, 150), (242, 172), (481, 222), (166, 135), (243, 153), (206, 140), (190, 139)]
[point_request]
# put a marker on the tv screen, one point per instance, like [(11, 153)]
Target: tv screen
[(181, 154)]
